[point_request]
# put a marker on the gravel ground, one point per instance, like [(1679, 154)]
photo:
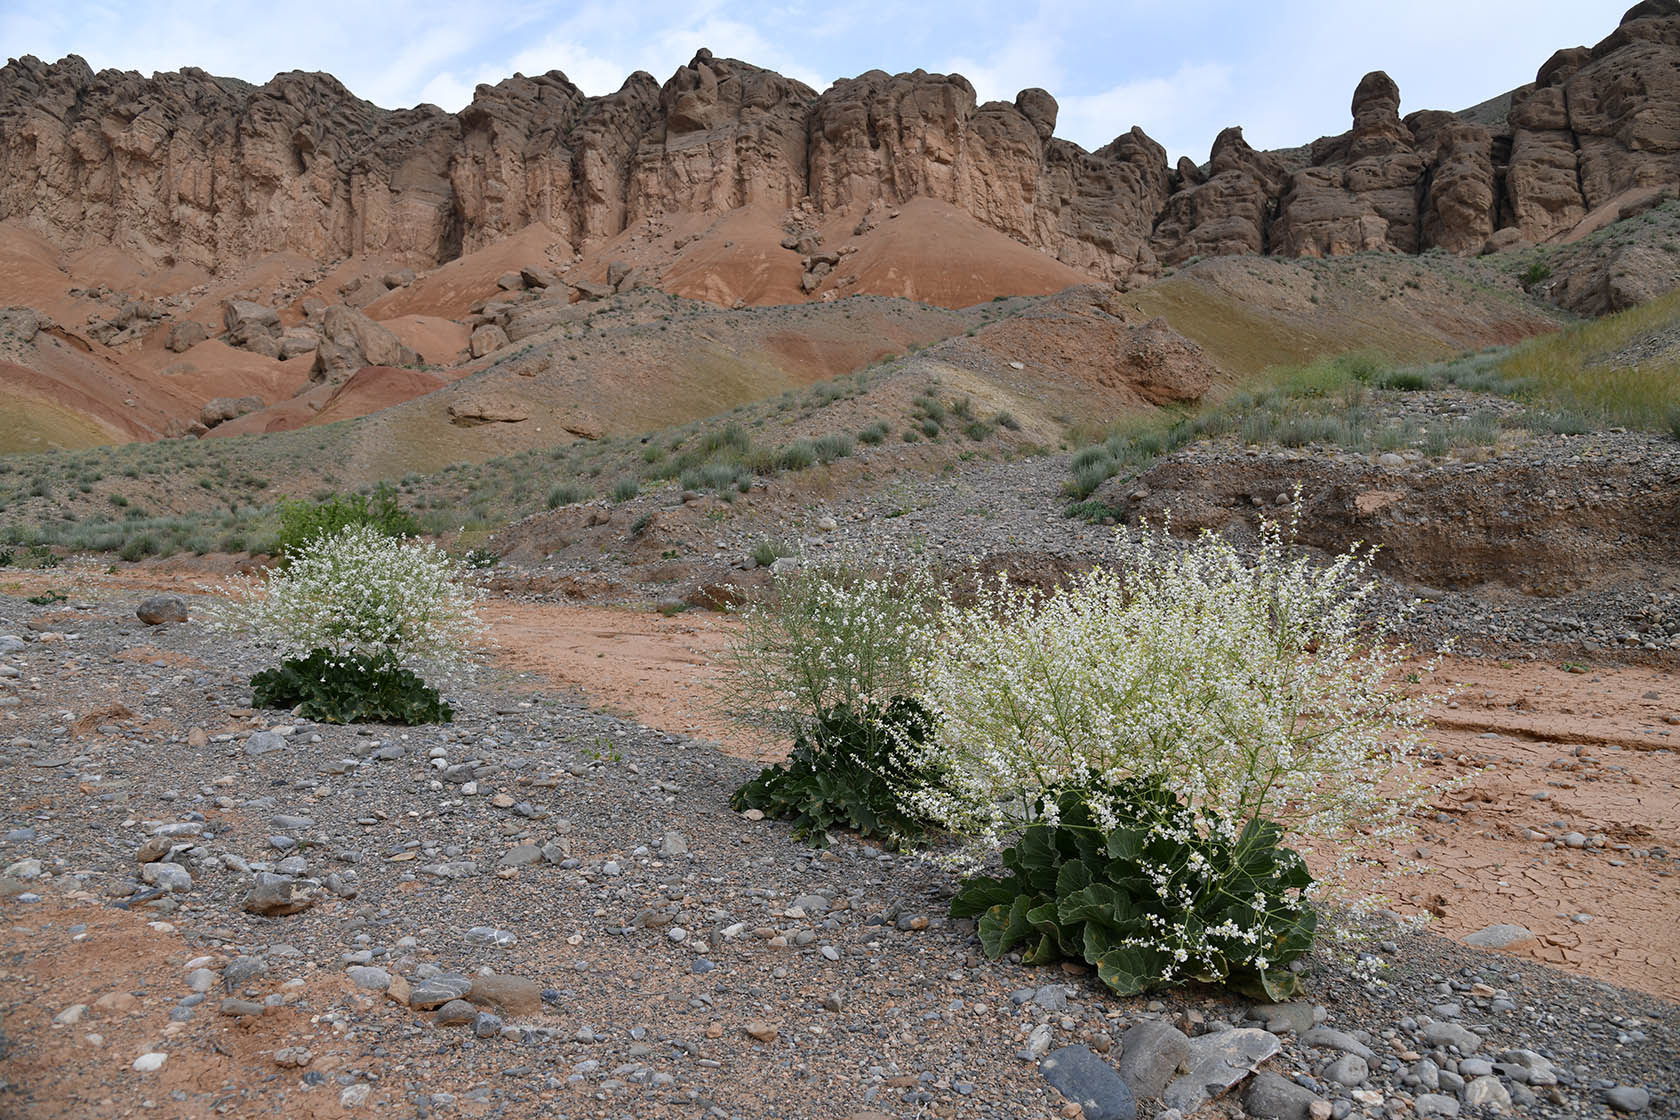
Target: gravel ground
[(661, 954), (1016, 509)]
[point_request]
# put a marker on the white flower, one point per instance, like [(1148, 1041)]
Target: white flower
[(360, 592)]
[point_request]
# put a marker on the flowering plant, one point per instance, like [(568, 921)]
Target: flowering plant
[(834, 635), (360, 592), (353, 613), (1150, 900), (1251, 691)]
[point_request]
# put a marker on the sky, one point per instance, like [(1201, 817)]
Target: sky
[(1182, 69)]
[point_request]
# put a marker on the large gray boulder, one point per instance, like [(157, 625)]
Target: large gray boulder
[(350, 340)]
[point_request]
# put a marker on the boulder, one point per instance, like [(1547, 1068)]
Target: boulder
[(248, 322), (512, 995), (296, 341), (511, 282), (23, 323), (487, 339), (1163, 365), (485, 408), (274, 896), (535, 277), (222, 409), (350, 340), (400, 278), (159, 609), (186, 334)]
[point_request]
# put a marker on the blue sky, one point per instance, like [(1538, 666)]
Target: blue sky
[(1183, 69)]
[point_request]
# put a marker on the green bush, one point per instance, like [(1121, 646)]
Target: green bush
[(349, 688), (1154, 896), (303, 522), (1535, 273), (565, 494), (797, 456), (847, 773), (836, 445), (875, 434), (626, 488)]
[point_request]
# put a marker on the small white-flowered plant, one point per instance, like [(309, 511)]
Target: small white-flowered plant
[(360, 592), (834, 632)]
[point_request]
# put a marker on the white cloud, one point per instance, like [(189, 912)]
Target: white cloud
[(1173, 110)]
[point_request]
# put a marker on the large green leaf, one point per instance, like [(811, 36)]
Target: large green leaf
[(1127, 970), (1002, 927), (979, 895)]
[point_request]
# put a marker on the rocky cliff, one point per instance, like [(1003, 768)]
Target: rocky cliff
[(211, 171)]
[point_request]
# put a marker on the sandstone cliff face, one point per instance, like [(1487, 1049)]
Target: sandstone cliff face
[(192, 168), (1595, 124)]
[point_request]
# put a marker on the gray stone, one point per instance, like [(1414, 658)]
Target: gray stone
[(1500, 935), (672, 844), (369, 978), (1451, 1034), (1475, 1067), (456, 1012), (1150, 1053), (1488, 1093), (1435, 1104), (1271, 1097), (1327, 1038), (1349, 1070), (241, 1007), (1628, 1098), (275, 896), (435, 991), (1038, 1044), (487, 1025), (1217, 1062), (1281, 1018), (160, 609), (262, 742), (1051, 997), (1082, 1077), (522, 856), (167, 876), (1535, 1068), (488, 935), (241, 971)]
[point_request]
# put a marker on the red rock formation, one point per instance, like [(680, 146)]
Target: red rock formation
[(211, 171)]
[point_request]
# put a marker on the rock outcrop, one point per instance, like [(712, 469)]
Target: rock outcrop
[(350, 340), (187, 167)]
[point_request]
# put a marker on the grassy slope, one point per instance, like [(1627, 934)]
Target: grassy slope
[(1250, 314)]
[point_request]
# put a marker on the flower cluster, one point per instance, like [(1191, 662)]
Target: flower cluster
[(360, 593), (836, 634), (1251, 689)]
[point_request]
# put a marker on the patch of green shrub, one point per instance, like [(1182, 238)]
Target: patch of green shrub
[(349, 688), (625, 488), (565, 494), (847, 773), (303, 522), (1154, 897)]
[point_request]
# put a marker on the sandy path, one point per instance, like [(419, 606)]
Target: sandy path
[(1538, 745)]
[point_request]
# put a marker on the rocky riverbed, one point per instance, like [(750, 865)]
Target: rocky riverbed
[(543, 910)]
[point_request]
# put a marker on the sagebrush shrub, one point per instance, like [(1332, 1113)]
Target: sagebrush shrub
[(303, 522)]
